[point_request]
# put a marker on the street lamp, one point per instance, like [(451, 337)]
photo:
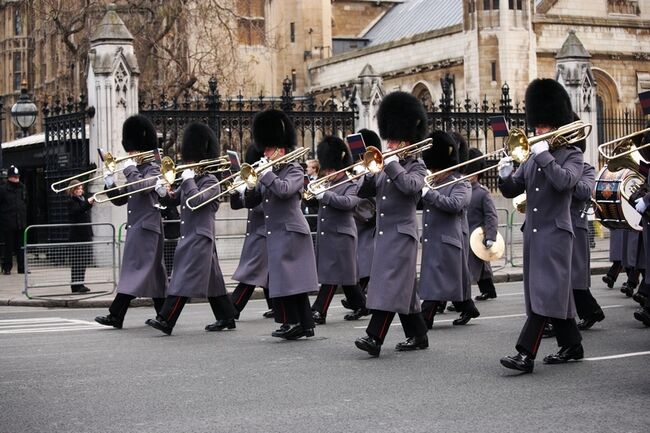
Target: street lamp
[(23, 112)]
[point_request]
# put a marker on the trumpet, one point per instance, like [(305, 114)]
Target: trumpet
[(168, 171), (110, 164), (249, 176), (625, 153), (373, 162)]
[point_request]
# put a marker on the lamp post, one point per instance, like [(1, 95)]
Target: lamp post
[(23, 112)]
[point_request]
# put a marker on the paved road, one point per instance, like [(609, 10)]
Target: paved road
[(61, 373)]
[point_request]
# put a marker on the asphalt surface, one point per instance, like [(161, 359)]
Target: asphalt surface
[(59, 372)]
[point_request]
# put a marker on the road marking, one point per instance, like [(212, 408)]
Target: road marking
[(45, 324), (622, 355), (505, 316)]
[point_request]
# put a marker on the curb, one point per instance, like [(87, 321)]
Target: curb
[(257, 294)]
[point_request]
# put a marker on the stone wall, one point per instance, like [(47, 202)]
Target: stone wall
[(353, 18)]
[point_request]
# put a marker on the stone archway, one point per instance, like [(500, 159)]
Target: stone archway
[(422, 92)]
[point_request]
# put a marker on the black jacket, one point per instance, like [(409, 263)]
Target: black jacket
[(79, 212), (13, 206)]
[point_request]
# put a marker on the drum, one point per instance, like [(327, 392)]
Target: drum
[(613, 209)]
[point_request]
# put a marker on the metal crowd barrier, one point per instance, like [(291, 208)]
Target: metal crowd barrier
[(49, 266)]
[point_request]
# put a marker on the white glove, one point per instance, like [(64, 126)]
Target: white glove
[(129, 163), (391, 159), (359, 169), (264, 160), (488, 243), (109, 180), (505, 167), (161, 187), (320, 195), (188, 173), (540, 147), (640, 205), (425, 190), (241, 188)]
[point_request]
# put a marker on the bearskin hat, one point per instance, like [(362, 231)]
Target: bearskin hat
[(253, 154), (370, 138), (443, 152), (476, 165), (401, 117), (547, 103), (273, 128), (139, 134), (13, 171), (333, 153), (199, 142)]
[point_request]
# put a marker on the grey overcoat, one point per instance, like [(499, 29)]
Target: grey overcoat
[(196, 272), (392, 277), (633, 251), (616, 245), (292, 262), (548, 180), (336, 242), (580, 269), (444, 268), (481, 213), (253, 267), (365, 237), (143, 270)]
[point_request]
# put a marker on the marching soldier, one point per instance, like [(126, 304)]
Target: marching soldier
[(336, 242), (402, 121), (643, 296), (548, 177), (444, 274), (633, 260), (292, 264), (481, 213), (253, 268), (143, 271), (196, 265)]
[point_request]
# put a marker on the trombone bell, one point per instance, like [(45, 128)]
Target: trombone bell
[(518, 145)]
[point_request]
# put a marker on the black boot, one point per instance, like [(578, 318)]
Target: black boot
[(566, 354), (160, 324), (221, 324), (413, 343), (598, 316), (369, 344), (109, 320), (520, 361)]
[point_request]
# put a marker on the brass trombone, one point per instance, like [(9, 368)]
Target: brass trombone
[(249, 176), (110, 164), (168, 171), (373, 162), (518, 148)]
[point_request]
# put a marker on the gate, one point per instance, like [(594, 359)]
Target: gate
[(231, 119)]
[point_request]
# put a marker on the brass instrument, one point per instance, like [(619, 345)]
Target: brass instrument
[(248, 175), (519, 203), (430, 178), (168, 171), (110, 164), (373, 162), (518, 148), (625, 153), (484, 253)]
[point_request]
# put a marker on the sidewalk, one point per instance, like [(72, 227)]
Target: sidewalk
[(11, 290)]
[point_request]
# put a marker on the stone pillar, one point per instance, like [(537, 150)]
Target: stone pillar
[(573, 71), (113, 90), (370, 91)]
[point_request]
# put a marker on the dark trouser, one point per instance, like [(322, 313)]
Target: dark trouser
[(567, 333), (242, 294), (363, 285), (615, 269), (644, 289), (121, 303), (80, 258), (632, 276), (487, 286), (586, 304), (13, 245), (413, 324), (172, 308), (353, 294), (293, 309), (222, 307)]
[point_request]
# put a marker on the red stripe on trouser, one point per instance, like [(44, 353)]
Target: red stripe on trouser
[(538, 340), (384, 328), (328, 298), (246, 288), (284, 312), (173, 312)]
